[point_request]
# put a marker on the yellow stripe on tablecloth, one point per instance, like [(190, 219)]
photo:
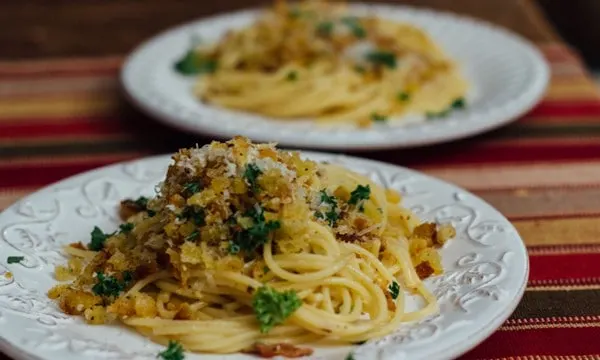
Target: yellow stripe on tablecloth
[(559, 231), (517, 176), (78, 106), (538, 203)]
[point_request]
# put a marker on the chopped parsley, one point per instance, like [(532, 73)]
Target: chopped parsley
[(174, 351), (192, 187), (378, 117), (110, 286), (233, 248), (252, 238), (394, 290), (14, 259), (359, 194), (193, 236), (349, 357), (272, 307), (384, 58), (325, 28), (151, 213), (331, 215), (98, 239), (193, 63), (403, 96), (355, 27), (142, 202), (292, 76), (458, 103), (196, 215), (126, 228), (251, 175)]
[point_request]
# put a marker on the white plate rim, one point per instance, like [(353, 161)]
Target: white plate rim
[(450, 351), (457, 126)]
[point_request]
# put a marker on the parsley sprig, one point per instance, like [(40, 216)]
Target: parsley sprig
[(109, 286), (174, 351), (355, 27), (251, 175), (384, 58), (359, 194), (332, 214), (193, 63), (98, 239), (252, 238), (272, 307), (394, 290), (14, 259)]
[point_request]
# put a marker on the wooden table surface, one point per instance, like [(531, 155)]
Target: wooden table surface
[(57, 28)]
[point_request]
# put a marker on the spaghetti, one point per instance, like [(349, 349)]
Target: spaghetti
[(315, 60), (248, 248)]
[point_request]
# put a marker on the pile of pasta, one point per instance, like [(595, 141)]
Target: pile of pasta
[(316, 60), (249, 248)]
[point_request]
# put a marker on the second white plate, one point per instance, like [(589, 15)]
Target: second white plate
[(508, 77)]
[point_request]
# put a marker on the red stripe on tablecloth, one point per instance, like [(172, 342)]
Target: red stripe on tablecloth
[(566, 108), (81, 126), (570, 267), (40, 174), (554, 341)]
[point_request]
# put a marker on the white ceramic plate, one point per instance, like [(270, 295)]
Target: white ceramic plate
[(486, 267), (508, 77)]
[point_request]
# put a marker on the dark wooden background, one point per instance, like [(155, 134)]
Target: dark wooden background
[(56, 28)]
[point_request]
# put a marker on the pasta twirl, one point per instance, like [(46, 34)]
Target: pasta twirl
[(249, 248), (316, 60)]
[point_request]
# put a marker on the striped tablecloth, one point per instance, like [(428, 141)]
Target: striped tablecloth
[(61, 117)]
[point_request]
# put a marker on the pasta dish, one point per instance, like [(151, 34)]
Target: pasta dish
[(316, 60), (249, 248)]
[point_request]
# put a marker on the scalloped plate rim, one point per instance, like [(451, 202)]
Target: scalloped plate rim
[(450, 351)]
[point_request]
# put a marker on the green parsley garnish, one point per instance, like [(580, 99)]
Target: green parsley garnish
[(142, 202), (192, 187), (98, 239), (193, 63), (292, 76), (110, 286), (190, 212), (272, 307), (378, 117), (403, 96), (355, 27), (359, 194), (394, 290), (251, 175), (193, 236), (233, 248), (252, 238), (325, 28), (14, 259), (384, 58), (151, 213), (331, 215), (126, 228), (458, 103), (174, 351), (349, 357)]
